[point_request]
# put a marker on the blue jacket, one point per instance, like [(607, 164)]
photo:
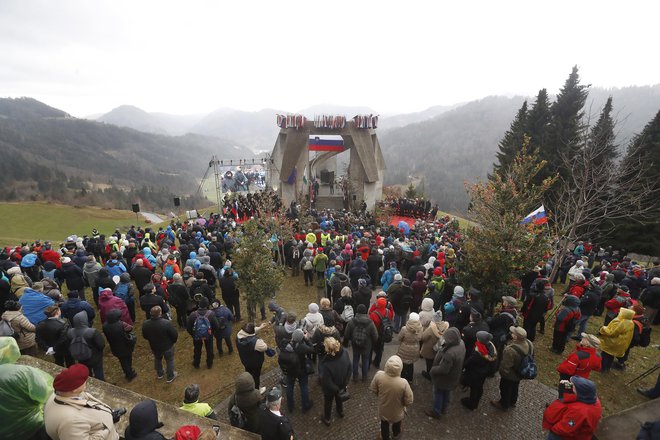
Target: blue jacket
[(221, 312), (115, 268), (33, 304), (29, 260)]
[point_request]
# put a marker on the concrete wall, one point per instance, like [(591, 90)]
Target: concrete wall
[(366, 168), (117, 397)]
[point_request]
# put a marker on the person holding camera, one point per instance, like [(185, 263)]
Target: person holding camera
[(576, 414), (70, 412)]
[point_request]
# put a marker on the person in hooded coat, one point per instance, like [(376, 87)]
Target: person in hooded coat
[(143, 422), (534, 308), (361, 345), (582, 360), (615, 338), (95, 341), (446, 371), (108, 301), (116, 332), (91, 272), (248, 399), (51, 332), (567, 317), (17, 280), (418, 289), (22, 327), (576, 414), (408, 351), (23, 392), (479, 363), (394, 395), (34, 302), (363, 294), (430, 337)]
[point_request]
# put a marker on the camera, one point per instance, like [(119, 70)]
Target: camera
[(117, 413)]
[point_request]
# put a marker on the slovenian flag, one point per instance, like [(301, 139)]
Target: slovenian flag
[(326, 143), (537, 217)]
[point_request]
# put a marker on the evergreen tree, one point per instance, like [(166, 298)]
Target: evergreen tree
[(538, 122), (566, 128), (512, 141), (602, 135), (642, 237), (499, 247)]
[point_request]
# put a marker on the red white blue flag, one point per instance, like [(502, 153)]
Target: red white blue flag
[(537, 217), (326, 143)]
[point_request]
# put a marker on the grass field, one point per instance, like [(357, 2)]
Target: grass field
[(45, 221)]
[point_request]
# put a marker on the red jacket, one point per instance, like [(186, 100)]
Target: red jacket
[(571, 419), (581, 362), (376, 319), (578, 289), (51, 255)]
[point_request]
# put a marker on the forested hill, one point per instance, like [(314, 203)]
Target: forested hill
[(44, 149), (460, 144), (445, 151)]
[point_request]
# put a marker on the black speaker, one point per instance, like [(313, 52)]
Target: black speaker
[(177, 201), (136, 207), (354, 197)]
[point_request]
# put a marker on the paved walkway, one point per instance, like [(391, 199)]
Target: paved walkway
[(153, 218), (361, 414)]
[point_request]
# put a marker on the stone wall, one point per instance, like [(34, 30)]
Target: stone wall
[(117, 397)]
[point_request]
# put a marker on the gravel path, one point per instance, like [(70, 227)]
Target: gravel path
[(153, 218)]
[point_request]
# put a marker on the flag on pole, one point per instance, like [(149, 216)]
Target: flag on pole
[(537, 217), (305, 180), (293, 176)]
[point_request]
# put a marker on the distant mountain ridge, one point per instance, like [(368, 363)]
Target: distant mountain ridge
[(37, 139)]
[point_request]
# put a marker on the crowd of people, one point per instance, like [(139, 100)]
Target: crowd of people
[(376, 284)]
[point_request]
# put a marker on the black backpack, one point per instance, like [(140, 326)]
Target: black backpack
[(237, 417), (79, 347), (360, 335), (386, 327)]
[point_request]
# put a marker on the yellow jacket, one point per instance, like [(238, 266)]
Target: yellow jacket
[(616, 337)]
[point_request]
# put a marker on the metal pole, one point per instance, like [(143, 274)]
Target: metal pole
[(218, 183)]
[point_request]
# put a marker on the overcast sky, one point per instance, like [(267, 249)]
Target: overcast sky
[(90, 56)]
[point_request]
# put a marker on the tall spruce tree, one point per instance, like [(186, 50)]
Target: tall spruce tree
[(566, 129), (602, 136), (512, 141), (642, 236), (538, 122)]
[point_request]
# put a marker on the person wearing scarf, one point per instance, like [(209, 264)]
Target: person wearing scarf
[(479, 363)]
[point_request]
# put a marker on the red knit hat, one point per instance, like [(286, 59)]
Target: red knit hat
[(381, 303), (71, 378), (437, 271), (188, 432)]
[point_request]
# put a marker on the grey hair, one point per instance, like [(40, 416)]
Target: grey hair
[(275, 404)]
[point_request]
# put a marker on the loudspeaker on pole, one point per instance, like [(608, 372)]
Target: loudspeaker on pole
[(136, 207), (177, 201)]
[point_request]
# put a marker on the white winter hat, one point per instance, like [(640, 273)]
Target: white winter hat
[(413, 317)]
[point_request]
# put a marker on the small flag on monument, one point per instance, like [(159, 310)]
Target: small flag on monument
[(326, 143), (537, 217), (293, 176)]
